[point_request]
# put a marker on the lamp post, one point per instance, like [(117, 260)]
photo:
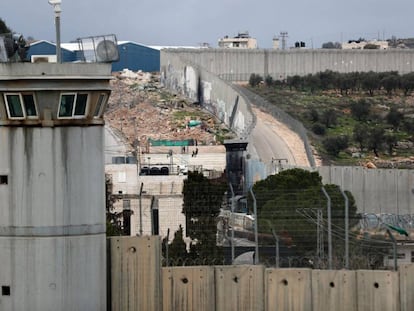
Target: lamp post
[(56, 7)]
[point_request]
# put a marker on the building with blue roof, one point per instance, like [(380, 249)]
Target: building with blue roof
[(132, 56)]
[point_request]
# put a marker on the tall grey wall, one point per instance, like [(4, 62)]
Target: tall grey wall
[(376, 191), (238, 65), (217, 96)]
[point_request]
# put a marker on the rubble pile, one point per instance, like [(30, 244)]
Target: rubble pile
[(141, 109)]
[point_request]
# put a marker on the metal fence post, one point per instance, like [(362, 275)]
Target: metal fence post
[(256, 238), (232, 225), (329, 229), (346, 229)]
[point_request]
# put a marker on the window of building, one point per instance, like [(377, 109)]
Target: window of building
[(100, 105), (412, 256), (20, 105), (5, 290), (4, 180), (73, 105)]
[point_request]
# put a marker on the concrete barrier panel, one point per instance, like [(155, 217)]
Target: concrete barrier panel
[(377, 290), (239, 288), (135, 273), (188, 288), (406, 287), (334, 290), (288, 289)]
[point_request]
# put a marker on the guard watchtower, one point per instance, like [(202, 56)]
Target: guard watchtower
[(52, 186)]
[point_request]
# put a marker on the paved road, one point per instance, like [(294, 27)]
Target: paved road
[(272, 140)]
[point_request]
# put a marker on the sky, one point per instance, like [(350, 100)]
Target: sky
[(193, 22)]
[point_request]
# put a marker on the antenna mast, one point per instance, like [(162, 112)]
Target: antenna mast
[(56, 6), (283, 36)]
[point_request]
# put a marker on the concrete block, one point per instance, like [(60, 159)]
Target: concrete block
[(188, 288), (334, 290), (135, 273), (288, 289), (377, 290), (239, 288), (406, 287)]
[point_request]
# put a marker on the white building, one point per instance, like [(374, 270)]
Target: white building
[(361, 44), (161, 192), (241, 41)]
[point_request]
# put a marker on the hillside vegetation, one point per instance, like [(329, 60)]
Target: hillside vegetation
[(352, 118)]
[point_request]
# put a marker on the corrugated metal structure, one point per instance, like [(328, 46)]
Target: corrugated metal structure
[(133, 56), (52, 186), (44, 47)]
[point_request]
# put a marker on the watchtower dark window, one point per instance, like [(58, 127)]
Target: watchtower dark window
[(29, 105), (73, 105), (20, 106), (100, 105), (80, 106), (14, 106)]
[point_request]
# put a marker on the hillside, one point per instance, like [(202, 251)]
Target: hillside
[(141, 109), (356, 127)]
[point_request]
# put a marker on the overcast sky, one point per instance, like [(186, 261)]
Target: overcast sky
[(191, 22)]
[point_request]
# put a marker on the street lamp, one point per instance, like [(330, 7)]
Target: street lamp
[(56, 6)]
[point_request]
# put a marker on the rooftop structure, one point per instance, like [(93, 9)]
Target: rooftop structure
[(241, 41)]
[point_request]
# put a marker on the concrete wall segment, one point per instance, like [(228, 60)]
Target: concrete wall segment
[(239, 288), (135, 273), (188, 288), (378, 290), (334, 290), (73, 278), (237, 65), (46, 171), (391, 188), (406, 273), (288, 289)]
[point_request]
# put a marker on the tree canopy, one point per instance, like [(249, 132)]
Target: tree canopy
[(288, 204), (203, 199), (3, 27)]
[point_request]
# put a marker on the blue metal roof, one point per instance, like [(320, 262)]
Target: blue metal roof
[(136, 57), (133, 56)]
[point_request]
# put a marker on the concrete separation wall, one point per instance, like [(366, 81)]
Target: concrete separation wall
[(334, 290), (238, 65), (378, 290), (204, 87), (288, 289), (136, 284), (188, 288), (135, 273), (392, 189), (239, 288), (406, 287)]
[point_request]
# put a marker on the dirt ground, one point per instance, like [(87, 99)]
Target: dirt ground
[(141, 109)]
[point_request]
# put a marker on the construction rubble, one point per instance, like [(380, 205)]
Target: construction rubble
[(141, 109)]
